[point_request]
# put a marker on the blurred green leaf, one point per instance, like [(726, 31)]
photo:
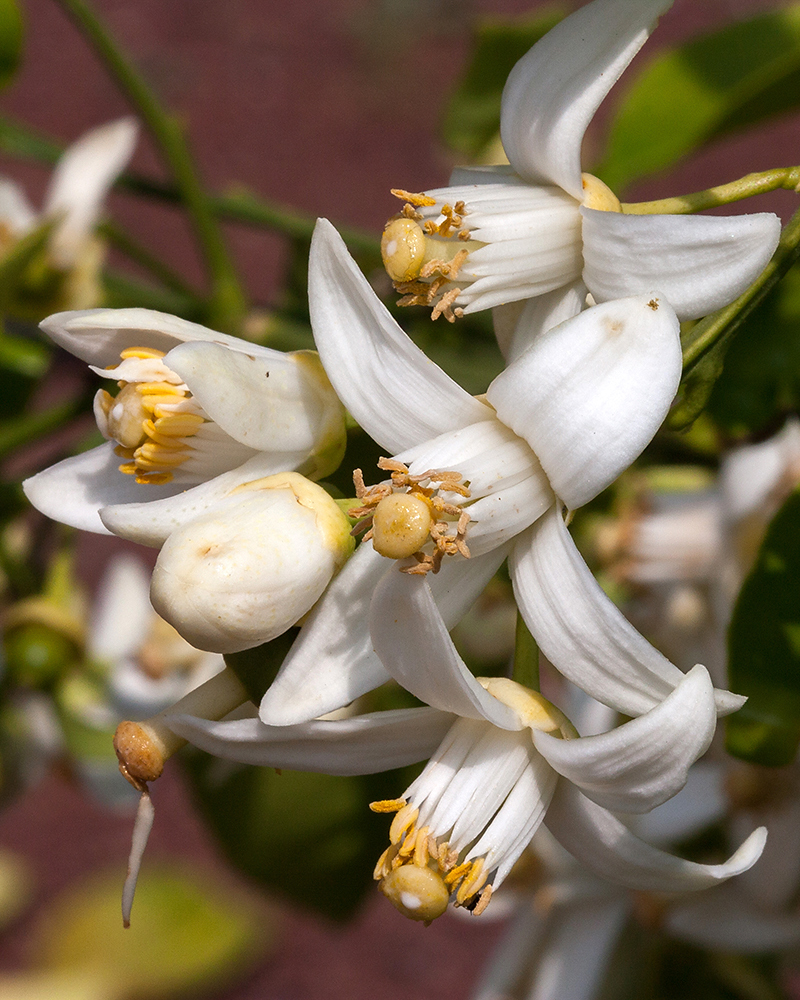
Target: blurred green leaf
[(309, 836), (764, 648), (185, 935), (731, 79), (11, 38), (472, 118), (760, 380)]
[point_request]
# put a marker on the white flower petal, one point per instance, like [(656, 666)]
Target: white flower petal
[(582, 632), (81, 180), (751, 473), (364, 744), (269, 402), (413, 644), (74, 490), (393, 390), (607, 847), (150, 521), (97, 336), (701, 802), (589, 394), (699, 262), (16, 212), (122, 612), (543, 313), (644, 762), (553, 91)]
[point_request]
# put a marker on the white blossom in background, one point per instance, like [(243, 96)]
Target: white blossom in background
[(542, 230), (563, 420), (198, 414), (74, 200)]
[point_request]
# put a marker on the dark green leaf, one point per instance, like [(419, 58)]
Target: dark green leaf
[(764, 648), (11, 38), (731, 79), (472, 118)]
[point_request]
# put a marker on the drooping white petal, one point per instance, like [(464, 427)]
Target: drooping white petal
[(97, 336), (699, 262), (553, 91), (150, 520), (644, 762), (750, 473), (16, 212), (412, 642), (543, 313), (73, 491), (589, 394), (122, 611), (332, 661), (80, 182), (269, 402), (364, 744), (726, 920), (393, 390), (577, 948), (606, 846), (582, 632)]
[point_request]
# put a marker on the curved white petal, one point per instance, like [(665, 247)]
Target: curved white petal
[(80, 182), (607, 847), (150, 521), (74, 490), (553, 91), (122, 611), (543, 313), (749, 474), (97, 336), (726, 920), (589, 394), (699, 262), (644, 762), (413, 644), (332, 661), (364, 744), (16, 212), (267, 402), (393, 390), (580, 630)]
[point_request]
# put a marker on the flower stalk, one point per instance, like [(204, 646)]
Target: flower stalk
[(526, 657), (777, 179)]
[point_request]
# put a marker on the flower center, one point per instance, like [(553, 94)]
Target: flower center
[(150, 418), (408, 513), (423, 256)]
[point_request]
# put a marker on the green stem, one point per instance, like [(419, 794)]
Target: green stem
[(526, 657), (227, 305), (787, 178), (701, 337)]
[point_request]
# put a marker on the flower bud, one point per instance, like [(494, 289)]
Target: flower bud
[(251, 566)]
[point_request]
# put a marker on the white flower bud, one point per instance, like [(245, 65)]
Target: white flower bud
[(251, 566)]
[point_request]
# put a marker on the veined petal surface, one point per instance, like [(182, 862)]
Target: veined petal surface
[(580, 630), (699, 262), (554, 90), (644, 762), (606, 846), (364, 744), (589, 394), (543, 313), (393, 390), (413, 644)]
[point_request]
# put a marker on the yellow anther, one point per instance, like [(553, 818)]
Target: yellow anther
[(418, 893), (178, 424), (384, 865), (473, 883), (418, 200), (141, 352), (458, 873), (160, 389), (387, 805), (403, 249), (401, 525), (422, 847), (403, 821), (598, 195), (482, 902), (154, 478)]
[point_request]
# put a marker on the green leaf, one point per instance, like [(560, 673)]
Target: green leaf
[(185, 934), (472, 118), (764, 648), (11, 38), (728, 80)]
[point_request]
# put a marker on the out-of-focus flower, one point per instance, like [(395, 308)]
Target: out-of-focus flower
[(540, 227), (195, 408), (253, 565), (69, 274)]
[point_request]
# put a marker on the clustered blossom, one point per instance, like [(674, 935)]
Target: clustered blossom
[(212, 445)]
